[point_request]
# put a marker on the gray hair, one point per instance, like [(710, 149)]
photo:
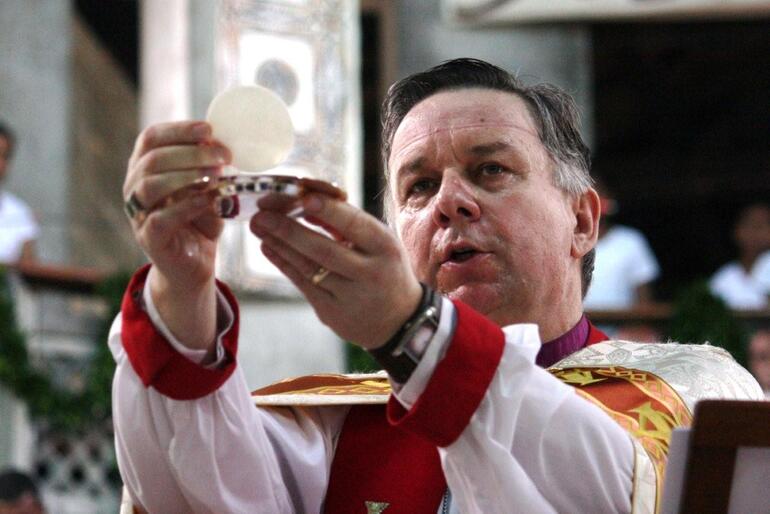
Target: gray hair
[(554, 112)]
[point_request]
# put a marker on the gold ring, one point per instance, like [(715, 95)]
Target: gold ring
[(320, 274), (134, 208)]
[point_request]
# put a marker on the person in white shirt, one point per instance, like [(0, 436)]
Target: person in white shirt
[(490, 252), (760, 272), (625, 265), (745, 282), (18, 227)]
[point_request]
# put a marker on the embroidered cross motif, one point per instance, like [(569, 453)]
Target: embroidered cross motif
[(375, 507), (579, 377)]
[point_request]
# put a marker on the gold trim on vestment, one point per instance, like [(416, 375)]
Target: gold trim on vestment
[(326, 389), (649, 419)]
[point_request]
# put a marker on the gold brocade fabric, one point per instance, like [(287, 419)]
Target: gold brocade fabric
[(363, 387), (642, 403), (649, 388), (326, 389)]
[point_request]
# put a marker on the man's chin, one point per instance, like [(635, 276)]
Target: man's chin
[(488, 301), (481, 297)]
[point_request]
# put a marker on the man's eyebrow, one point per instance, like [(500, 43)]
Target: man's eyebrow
[(489, 148), (412, 166)]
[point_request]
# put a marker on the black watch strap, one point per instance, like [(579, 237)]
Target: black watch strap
[(395, 356)]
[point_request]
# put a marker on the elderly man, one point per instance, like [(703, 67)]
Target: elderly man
[(494, 221)]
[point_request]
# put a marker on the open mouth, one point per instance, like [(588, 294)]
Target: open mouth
[(462, 255)]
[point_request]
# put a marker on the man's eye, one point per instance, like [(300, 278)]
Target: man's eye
[(491, 169), (421, 186)]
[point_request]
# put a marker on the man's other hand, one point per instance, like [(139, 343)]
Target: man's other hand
[(359, 281)]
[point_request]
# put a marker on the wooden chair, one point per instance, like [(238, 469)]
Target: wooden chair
[(720, 428)]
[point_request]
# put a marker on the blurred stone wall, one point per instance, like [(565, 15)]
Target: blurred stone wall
[(104, 125), (74, 113), (35, 49)]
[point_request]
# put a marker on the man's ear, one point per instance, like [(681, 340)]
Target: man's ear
[(587, 210)]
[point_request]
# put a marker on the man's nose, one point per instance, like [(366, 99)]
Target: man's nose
[(456, 201)]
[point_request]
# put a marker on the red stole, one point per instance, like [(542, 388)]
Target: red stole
[(377, 462)]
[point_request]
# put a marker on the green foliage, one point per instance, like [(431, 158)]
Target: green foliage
[(699, 316), (359, 361), (62, 410)]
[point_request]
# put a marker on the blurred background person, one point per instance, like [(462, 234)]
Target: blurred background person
[(625, 265), (19, 494), (761, 275), (737, 282), (624, 270), (759, 359), (18, 227)]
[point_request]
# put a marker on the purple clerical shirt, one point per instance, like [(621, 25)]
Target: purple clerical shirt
[(573, 340)]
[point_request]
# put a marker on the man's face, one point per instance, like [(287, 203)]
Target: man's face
[(753, 231), (474, 202), (759, 358), (5, 156)]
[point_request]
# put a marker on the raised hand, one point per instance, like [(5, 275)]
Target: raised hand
[(177, 230), (178, 236), (360, 282)]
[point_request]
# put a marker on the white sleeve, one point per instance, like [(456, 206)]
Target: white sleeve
[(536, 446), (218, 453), (30, 228), (644, 266), (532, 444), (761, 272)]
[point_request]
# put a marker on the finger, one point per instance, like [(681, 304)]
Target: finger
[(183, 157), (278, 202), (339, 258), (312, 185), (210, 225), (366, 232), (161, 223), (304, 266), (311, 291), (152, 189), (328, 228), (174, 133), (285, 203)]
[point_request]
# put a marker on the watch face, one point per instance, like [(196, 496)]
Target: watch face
[(401, 354), (419, 342)]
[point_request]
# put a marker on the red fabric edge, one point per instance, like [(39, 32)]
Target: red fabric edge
[(595, 335), (458, 383), (156, 362)]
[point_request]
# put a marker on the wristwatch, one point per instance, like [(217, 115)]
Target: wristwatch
[(401, 354)]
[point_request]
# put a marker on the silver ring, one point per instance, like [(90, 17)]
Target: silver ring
[(320, 274), (134, 208)]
